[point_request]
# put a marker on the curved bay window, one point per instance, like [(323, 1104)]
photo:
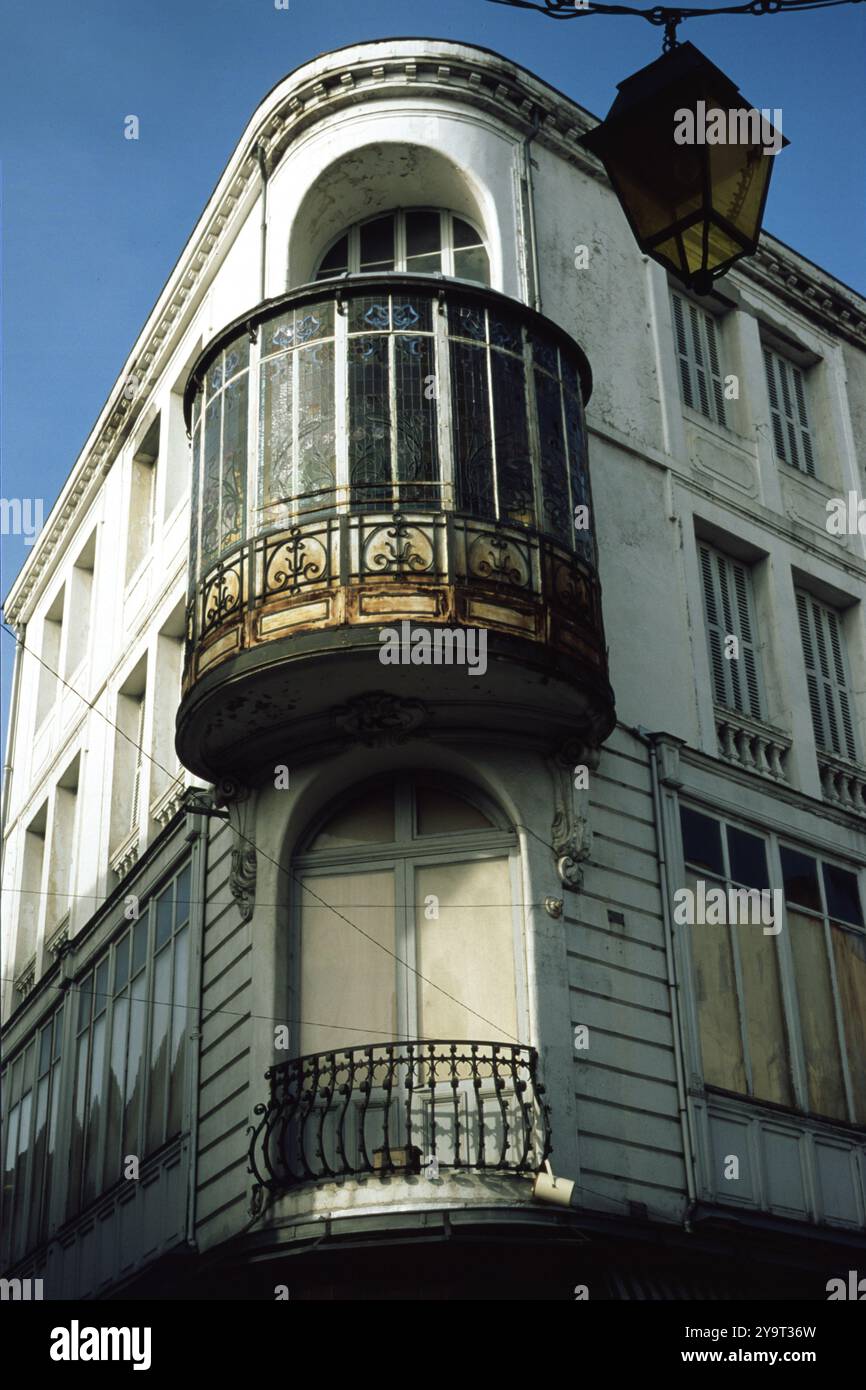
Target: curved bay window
[(406, 949), (388, 397), (426, 241)]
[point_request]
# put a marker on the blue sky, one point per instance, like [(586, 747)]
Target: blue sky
[(93, 223)]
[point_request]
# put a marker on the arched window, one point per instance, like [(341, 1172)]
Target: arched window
[(425, 873), (429, 241)]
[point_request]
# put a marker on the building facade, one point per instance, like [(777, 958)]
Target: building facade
[(344, 907)]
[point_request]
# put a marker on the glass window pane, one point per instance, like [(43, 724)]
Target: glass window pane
[(716, 992), (511, 440), (94, 1116), (76, 1144), (159, 1044), (557, 515), (748, 858), (472, 264), (348, 983), (702, 840), (316, 462), (843, 898), (121, 962), (44, 1049), (473, 453), (336, 260), (139, 944), (234, 461), (817, 1018), (800, 874), (377, 244), (425, 265), (850, 952), (464, 235), (179, 1026), (182, 897), (369, 419), (275, 437), (468, 950), (134, 1087), (764, 1015), (422, 233), (368, 819), (85, 991), (439, 812), (116, 1079), (417, 454), (163, 918), (100, 990)]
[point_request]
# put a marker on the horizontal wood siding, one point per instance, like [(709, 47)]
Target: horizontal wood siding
[(222, 1183), (629, 1134)]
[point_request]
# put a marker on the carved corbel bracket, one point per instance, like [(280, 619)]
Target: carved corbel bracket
[(570, 831), (244, 864)]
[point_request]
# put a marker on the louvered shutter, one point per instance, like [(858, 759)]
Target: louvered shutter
[(729, 611), (792, 432), (698, 357), (683, 354), (715, 372), (715, 630), (826, 677)]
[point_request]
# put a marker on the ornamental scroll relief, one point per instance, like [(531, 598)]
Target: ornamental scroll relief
[(571, 833)]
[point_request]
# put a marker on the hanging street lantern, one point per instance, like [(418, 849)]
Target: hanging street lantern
[(690, 163)]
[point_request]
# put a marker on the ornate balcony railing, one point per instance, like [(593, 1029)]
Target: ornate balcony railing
[(407, 1108), (755, 746), (340, 569)]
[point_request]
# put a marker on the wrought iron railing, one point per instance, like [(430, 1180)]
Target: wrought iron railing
[(296, 565), (409, 1107)]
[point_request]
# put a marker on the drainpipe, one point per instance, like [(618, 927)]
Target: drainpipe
[(198, 837), (530, 200), (651, 739), (263, 170)]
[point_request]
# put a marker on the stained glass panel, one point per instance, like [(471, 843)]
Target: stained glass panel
[(369, 314), (511, 440), (417, 456), (369, 420), (316, 435), (275, 435), (211, 485), (234, 461), (554, 480), (473, 455)]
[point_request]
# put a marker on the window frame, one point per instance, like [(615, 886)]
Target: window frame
[(834, 711), (720, 562), (787, 384), (402, 856), (774, 842), (446, 245), (698, 351)]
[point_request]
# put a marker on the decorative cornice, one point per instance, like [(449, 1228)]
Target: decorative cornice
[(336, 81)]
